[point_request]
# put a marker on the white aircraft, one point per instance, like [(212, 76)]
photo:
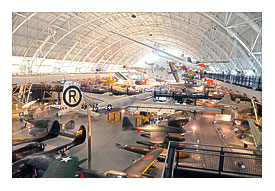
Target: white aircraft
[(183, 60), (28, 104), (72, 96)]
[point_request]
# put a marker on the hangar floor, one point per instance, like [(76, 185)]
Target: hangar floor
[(105, 155)]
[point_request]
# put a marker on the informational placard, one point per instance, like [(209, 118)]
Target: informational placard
[(72, 96)]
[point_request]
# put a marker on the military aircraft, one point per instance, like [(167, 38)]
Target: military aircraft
[(143, 150), (174, 71), (41, 127), (183, 60), (157, 133), (112, 80), (227, 102), (36, 164), (22, 149), (134, 103), (68, 167)]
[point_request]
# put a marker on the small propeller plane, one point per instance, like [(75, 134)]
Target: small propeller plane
[(157, 133), (143, 150)]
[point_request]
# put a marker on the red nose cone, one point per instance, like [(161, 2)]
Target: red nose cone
[(138, 129), (81, 176)]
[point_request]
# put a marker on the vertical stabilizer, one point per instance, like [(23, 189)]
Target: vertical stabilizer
[(126, 124)]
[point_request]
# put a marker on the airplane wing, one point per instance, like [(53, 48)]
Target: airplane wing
[(141, 166), (257, 136), (91, 97), (56, 106), (79, 111), (150, 106), (64, 167), (28, 104), (157, 137)]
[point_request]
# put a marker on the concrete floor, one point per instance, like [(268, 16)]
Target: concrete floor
[(105, 156)]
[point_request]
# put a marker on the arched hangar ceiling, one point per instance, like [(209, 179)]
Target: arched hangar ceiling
[(84, 37)]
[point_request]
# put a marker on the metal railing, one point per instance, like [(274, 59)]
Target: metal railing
[(243, 81), (238, 162)]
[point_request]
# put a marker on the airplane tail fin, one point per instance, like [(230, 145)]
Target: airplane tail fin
[(55, 129), (80, 136), (127, 124), (225, 100), (189, 59), (202, 65)]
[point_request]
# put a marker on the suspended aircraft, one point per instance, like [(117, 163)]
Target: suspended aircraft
[(174, 71), (36, 164), (183, 60)]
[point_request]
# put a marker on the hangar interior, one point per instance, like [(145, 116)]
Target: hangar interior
[(181, 92)]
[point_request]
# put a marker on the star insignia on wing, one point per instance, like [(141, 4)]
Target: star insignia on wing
[(65, 159)]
